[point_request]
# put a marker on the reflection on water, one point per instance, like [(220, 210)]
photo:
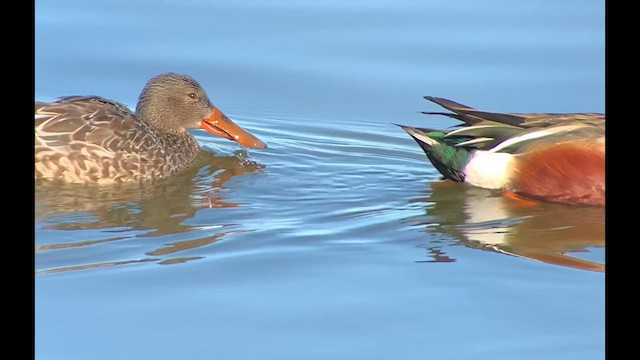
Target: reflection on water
[(314, 256), (94, 266), (148, 210), (479, 218)]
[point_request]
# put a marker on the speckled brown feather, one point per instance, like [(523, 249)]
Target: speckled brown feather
[(92, 139)]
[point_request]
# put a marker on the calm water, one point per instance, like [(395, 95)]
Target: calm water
[(339, 241)]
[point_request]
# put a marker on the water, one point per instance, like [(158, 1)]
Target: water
[(339, 240)]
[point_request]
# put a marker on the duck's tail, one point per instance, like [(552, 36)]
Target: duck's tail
[(449, 159)]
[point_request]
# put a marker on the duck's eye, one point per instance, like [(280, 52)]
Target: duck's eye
[(193, 95)]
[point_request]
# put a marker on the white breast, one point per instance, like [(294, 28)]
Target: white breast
[(488, 170)]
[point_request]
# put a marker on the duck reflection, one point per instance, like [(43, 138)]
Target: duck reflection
[(149, 210), (482, 219)]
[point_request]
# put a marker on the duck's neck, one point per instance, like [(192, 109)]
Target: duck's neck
[(180, 150)]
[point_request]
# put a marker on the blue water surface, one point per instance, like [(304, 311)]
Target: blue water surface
[(339, 241)]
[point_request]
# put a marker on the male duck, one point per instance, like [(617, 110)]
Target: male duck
[(550, 157), (89, 139)]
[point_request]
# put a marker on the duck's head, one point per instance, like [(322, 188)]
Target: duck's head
[(174, 103)]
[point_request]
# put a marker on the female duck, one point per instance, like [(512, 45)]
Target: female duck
[(552, 157), (89, 139)]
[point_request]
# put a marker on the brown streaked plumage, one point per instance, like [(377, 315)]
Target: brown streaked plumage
[(545, 156), (91, 139)]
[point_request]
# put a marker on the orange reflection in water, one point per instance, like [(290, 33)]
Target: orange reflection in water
[(549, 233)]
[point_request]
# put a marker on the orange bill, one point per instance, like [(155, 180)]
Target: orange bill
[(219, 124)]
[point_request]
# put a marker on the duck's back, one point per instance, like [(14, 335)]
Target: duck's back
[(91, 139)]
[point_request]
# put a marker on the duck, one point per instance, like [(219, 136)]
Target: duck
[(550, 157), (91, 139)]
